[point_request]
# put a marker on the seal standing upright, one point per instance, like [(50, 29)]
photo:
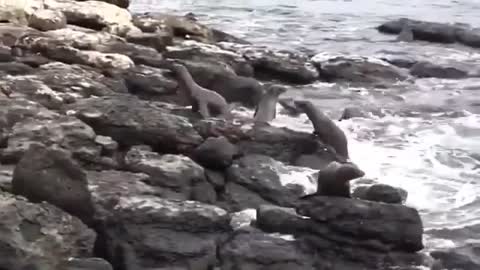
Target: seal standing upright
[(325, 128), (266, 109), (201, 99)]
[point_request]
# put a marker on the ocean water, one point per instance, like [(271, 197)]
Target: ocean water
[(428, 142)]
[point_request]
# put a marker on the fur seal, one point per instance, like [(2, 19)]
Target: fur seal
[(406, 34), (335, 179), (325, 128), (266, 109), (203, 100)]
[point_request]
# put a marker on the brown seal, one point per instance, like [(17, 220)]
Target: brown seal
[(328, 132), (335, 179), (203, 100), (266, 109)]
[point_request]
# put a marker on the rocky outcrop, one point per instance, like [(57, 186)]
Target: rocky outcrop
[(429, 70), (465, 257)]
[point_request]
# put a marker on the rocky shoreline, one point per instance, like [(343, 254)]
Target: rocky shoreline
[(104, 168)]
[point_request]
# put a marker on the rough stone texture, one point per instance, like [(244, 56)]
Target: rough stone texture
[(381, 193), (465, 257), (428, 70), (45, 20), (39, 236), (216, 153), (86, 264)]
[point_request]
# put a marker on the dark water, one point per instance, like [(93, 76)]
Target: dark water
[(429, 142)]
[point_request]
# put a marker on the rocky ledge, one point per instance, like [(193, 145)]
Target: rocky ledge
[(104, 168)]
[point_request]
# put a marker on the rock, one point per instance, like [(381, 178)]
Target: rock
[(357, 70), (262, 176), (40, 235), (465, 257), (286, 66), (45, 20), (164, 233), (108, 145), (148, 82), (131, 121), (13, 68), (400, 61), (469, 37), (33, 60), (13, 12), (50, 174), (6, 174), (177, 173), (217, 179), (215, 153), (352, 112), (428, 70), (86, 264), (259, 250), (158, 41), (5, 54), (120, 3), (91, 14), (64, 131), (381, 193), (429, 31), (17, 109), (379, 221)]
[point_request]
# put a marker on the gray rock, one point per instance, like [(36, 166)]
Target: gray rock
[(86, 264), (465, 257), (45, 20), (381, 193), (428, 70), (215, 153)]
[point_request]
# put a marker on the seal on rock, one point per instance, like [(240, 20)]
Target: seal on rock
[(203, 100), (325, 128), (266, 109), (335, 179)]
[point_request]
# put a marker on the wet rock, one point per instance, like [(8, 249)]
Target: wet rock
[(86, 264), (13, 68), (120, 3), (5, 54), (400, 61), (148, 82), (284, 66), (131, 121), (33, 60), (217, 179), (50, 174), (158, 41), (465, 257), (469, 37), (40, 235), (45, 20), (17, 109), (357, 70), (352, 112), (165, 233), (177, 173), (428, 70), (260, 175), (213, 54), (215, 153), (6, 174), (428, 31), (242, 251), (381, 193)]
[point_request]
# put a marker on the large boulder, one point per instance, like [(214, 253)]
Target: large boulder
[(465, 257), (216, 153), (40, 235), (149, 82), (429, 31), (131, 121), (45, 20)]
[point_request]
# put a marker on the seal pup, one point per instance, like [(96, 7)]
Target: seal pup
[(203, 100), (335, 179), (325, 128), (406, 34), (266, 109)]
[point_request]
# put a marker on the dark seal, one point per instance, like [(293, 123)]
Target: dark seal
[(266, 109)]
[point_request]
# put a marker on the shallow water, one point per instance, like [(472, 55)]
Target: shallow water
[(429, 142)]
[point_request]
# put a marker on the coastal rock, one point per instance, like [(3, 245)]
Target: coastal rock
[(149, 82), (216, 153), (45, 20), (381, 193), (50, 174), (40, 235), (428, 70), (86, 264), (243, 249), (17, 109), (158, 41), (120, 3), (177, 173), (6, 174), (131, 121), (140, 55), (357, 70), (65, 131), (262, 176), (284, 66), (13, 68), (428, 31), (465, 257), (153, 233), (352, 112)]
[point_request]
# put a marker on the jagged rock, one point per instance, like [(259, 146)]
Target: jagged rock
[(381, 193), (164, 233), (259, 250), (86, 264), (65, 131), (40, 235), (284, 66), (148, 82), (215, 153), (357, 70), (177, 173), (50, 174), (427, 70), (465, 257), (91, 14), (260, 177), (158, 41), (131, 121), (218, 78), (45, 20), (209, 53), (17, 109)]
